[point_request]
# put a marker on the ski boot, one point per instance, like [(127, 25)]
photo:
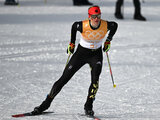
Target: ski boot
[(89, 112), (44, 106), (139, 17), (88, 108)]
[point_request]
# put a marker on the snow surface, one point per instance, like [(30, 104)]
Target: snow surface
[(33, 41)]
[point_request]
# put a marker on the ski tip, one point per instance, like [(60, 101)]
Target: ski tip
[(91, 116), (22, 115), (19, 115), (29, 114), (97, 119)]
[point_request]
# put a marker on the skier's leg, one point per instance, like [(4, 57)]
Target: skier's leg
[(96, 67), (72, 67)]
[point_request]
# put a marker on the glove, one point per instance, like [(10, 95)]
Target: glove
[(107, 46), (70, 48)]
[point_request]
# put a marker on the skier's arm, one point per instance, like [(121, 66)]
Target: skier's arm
[(77, 26), (112, 27)]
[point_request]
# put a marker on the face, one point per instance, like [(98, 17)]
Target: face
[(95, 20)]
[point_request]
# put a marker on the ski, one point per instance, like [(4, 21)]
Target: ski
[(43, 113), (91, 116), (29, 114)]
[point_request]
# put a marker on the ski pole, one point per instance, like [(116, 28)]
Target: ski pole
[(110, 70), (68, 59)]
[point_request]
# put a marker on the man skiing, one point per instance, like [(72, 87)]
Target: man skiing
[(89, 50)]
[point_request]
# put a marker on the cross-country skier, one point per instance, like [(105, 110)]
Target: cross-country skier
[(89, 50)]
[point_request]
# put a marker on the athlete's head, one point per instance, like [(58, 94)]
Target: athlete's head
[(94, 10), (94, 15)]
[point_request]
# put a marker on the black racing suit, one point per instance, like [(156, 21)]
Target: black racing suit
[(82, 56)]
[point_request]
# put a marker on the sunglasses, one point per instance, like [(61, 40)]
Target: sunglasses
[(96, 16)]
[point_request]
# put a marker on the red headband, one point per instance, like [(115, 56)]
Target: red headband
[(94, 10)]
